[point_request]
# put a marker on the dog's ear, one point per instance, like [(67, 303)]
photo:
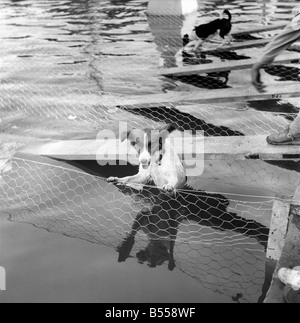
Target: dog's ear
[(164, 133), (133, 135), (168, 128)]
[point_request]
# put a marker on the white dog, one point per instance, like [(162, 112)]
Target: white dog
[(158, 160)]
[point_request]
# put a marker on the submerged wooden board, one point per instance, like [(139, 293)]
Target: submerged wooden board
[(246, 44), (258, 29), (249, 93), (290, 253), (214, 148), (290, 256), (225, 66)]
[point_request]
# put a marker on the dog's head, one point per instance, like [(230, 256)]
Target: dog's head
[(147, 141), (226, 15), (225, 23), (225, 26)]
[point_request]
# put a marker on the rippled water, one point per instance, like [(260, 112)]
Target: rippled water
[(59, 59)]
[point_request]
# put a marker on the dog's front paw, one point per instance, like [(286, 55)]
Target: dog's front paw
[(112, 179), (136, 186), (168, 188)]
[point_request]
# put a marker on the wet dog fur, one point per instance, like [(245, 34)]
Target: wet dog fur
[(158, 160)]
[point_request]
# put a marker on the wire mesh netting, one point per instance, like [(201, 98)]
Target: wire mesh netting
[(221, 242), (100, 110), (220, 239), (77, 85)]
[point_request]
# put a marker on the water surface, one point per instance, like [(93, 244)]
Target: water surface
[(61, 225)]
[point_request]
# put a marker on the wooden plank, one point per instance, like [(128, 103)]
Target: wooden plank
[(225, 66), (215, 148), (290, 256), (296, 198), (278, 228), (249, 93), (258, 29), (282, 4), (239, 45), (82, 150), (248, 147), (244, 45)]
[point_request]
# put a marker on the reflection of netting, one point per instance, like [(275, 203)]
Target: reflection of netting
[(215, 240)]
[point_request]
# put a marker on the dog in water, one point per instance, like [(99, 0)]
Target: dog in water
[(158, 160), (205, 32)]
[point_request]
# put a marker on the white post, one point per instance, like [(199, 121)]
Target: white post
[(169, 20), (172, 7), (278, 228)]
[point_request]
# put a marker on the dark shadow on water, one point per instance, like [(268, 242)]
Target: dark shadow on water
[(111, 169), (276, 106), (211, 82), (286, 73), (286, 164), (184, 121), (245, 37), (229, 55), (201, 58), (195, 59)]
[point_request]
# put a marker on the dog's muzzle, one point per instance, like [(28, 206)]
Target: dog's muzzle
[(145, 163)]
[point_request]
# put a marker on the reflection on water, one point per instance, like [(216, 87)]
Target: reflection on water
[(210, 237), (59, 61), (161, 221), (204, 235)]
